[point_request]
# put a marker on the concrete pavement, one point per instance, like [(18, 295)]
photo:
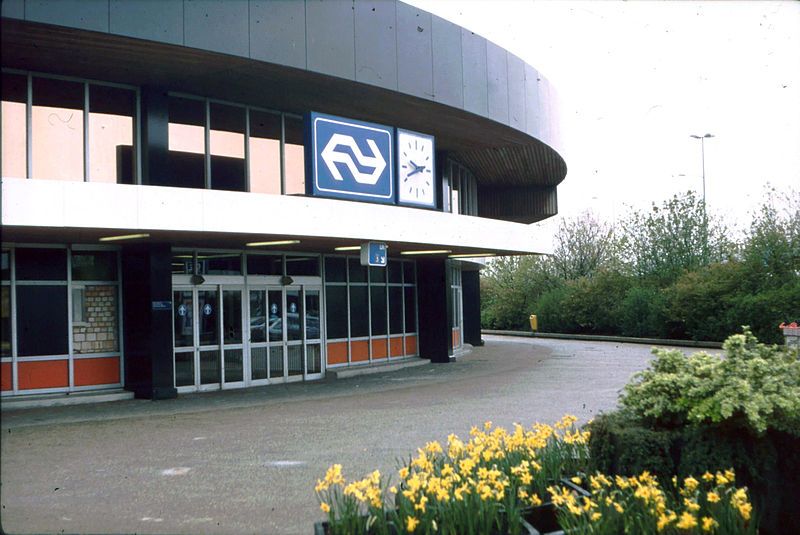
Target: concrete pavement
[(246, 461)]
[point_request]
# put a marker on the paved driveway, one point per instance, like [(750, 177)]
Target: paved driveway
[(246, 461)]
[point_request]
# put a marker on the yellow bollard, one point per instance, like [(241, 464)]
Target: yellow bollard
[(534, 323)]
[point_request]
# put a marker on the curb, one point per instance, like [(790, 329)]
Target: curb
[(604, 338), (60, 400), (355, 371)]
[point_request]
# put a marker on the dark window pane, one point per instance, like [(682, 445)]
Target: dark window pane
[(312, 315), (57, 129), (209, 367), (408, 273), (294, 315), (219, 263), (227, 147), (41, 264), (5, 270), (299, 265), (395, 310), (378, 295), (377, 274), (294, 157), (187, 144), (275, 316), (335, 269), (359, 306), (265, 152), (264, 264), (42, 320), (94, 266), (395, 268), (358, 273), (183, 314), (336, 311), (411, 310), (111, 118), (207, 306), (15, 119), (258, 317), (184, 368), (232, 316), (5, 321)]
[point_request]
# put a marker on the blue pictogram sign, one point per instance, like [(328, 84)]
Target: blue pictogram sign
[(350, 159), (373, 254)]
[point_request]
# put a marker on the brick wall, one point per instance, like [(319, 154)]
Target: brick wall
[(98, 333)]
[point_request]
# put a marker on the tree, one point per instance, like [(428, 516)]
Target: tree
[(583, 246), (661, 244)]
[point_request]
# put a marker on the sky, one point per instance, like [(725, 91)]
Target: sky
[(636, 79)]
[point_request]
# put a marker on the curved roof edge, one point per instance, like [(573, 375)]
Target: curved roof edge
[(388, 44)]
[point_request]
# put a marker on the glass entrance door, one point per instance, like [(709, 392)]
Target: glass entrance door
[(233, 371), (229, 337)]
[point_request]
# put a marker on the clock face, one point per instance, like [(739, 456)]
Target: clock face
[(415, 169)]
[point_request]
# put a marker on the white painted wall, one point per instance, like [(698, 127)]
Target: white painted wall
[(58, 204)]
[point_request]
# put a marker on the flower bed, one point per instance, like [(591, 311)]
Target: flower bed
[(498, 480)]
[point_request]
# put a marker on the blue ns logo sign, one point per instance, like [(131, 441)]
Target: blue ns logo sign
[(350, 159)]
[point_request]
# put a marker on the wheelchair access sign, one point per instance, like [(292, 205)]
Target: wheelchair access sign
[(350, 159)]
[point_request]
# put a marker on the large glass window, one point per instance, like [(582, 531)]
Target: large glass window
[(57, 129), (294, 156), (41, 264), (265, 152), (94, 266), (14, 125), (42, 320), (383, 308), (187, 143), (111, 126), (227, 147)]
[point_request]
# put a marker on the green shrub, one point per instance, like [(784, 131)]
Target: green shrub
[(643, 312), (755, 387), (552, 313)]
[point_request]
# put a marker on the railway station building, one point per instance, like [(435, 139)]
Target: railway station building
[(211, 194)]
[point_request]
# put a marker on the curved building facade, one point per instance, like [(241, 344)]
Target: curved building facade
[(214, 194)]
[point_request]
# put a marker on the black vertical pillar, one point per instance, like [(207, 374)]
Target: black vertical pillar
[(155, 136), (471, 296), (435, 309), (147, 314)]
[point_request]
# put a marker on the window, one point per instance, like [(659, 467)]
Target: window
[(187, 143), (72, 122), (112, 112), (294, 156), (265, 152), (14, 125), (219, 263), (463, 189), (227, 147), (94, 266), (42, 320), (374, 303), (57, 129), (264, 264), (41, 264)]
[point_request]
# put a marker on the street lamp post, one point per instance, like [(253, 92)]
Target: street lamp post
[(703, 160)]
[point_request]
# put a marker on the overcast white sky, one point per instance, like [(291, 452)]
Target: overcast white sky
[(635, 79)]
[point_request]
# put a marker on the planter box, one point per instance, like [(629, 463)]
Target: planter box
[(543, 519)]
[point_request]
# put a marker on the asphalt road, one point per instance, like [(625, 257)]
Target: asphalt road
[(246, 461)]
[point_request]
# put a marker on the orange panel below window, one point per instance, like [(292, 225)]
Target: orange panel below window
[(359, 351), (43, 374), (411, 345), (456, 338), (396, 346), (99, 371), (337, 353), (5, 376), (379, 348)]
